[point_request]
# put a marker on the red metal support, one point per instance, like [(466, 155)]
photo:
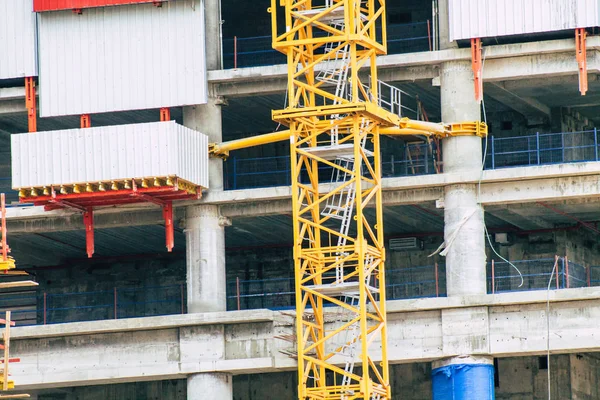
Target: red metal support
[(3, 244), (30, 104), (88, 221), (556, 264), (493, 277), (54, 5), (581, 56), (429, 34), (86, 122), (165, 114), (437, 281), (588, 275), (169, 228), (477, 65), (116, 303), (567, 271)]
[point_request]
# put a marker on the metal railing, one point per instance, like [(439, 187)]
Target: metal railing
[(242, 52), (246, 173), (33, 308), (419, 158), (543, 148), (503, 277), (427, 281)]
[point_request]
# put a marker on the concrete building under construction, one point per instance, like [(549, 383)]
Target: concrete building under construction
[(192, 235)]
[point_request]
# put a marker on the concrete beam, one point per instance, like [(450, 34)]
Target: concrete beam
[(420, 330), (518, 217), (563, 182), (527, 106), (503, 62)]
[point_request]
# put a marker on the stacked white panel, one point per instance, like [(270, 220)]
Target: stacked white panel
[(491, 18), (110, 153), (122, 58), (17, 39)]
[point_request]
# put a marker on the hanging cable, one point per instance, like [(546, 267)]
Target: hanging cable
[(487, 235)]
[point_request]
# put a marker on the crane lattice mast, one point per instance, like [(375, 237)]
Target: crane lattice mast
[(334, 116)]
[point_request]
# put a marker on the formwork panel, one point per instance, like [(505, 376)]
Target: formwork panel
[(122, 58), (491, 18), (17, 39), (111, 153), (54, 5)]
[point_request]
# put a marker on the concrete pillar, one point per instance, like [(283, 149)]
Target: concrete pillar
[(444, 25), (207, 119), (465, 378), (213, 386), (205, 255), (464, 229), (214, 39)]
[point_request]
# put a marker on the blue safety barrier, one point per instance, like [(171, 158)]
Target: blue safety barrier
[(242, 52), (463, 382)]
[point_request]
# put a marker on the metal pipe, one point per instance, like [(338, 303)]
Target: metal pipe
[(493, 277), (235, 53), (223, 149), (115, 298), (237, 284)]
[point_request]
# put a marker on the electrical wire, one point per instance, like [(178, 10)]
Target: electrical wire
[(487, 235)]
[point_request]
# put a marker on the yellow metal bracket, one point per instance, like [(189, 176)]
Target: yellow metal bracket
[(467, 129)]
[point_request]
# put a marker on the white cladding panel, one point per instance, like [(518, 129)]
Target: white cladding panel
[(489, 18), (109, 153), (17, 39), (122, 58)]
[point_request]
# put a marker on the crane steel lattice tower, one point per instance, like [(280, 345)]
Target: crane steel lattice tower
[(334, 115)]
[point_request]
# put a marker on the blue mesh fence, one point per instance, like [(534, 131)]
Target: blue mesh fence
[(543, 148), (257, 51), (31, 307), (416, 282), (537, 274)]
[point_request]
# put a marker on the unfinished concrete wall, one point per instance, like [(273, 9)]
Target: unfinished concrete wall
[(85, 290), (585, 375)]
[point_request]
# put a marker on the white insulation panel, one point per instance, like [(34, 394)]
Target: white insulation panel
[(129, 57), (490, 18), (17, 39), (108, 153)]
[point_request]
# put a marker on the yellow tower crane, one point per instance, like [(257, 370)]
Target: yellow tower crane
[(336, 113)]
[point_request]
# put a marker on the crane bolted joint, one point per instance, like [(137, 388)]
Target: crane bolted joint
[(466, 129), (214, 150)]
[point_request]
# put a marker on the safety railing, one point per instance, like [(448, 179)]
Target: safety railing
[(241, 52), (6, 188), (245, 173), (279, 293), (543, 148), (119, 302), (537, 275), (428, 281)]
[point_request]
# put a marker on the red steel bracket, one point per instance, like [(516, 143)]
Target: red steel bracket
[(169, 228), (54, 5), (581, 56), (3, 244), (477, 65), (165, 114), (30, 104), (88, 221), (86, 121)]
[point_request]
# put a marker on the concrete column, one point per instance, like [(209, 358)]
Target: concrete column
[(207, 119), (205, 255), (464, 229), (213, 386), (214, 40), (465, 378), (444, 25)]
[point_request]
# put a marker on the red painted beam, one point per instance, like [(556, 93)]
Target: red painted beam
[(54, 5)]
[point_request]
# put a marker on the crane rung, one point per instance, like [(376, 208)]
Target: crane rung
[(340, 289), (336, 151)]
